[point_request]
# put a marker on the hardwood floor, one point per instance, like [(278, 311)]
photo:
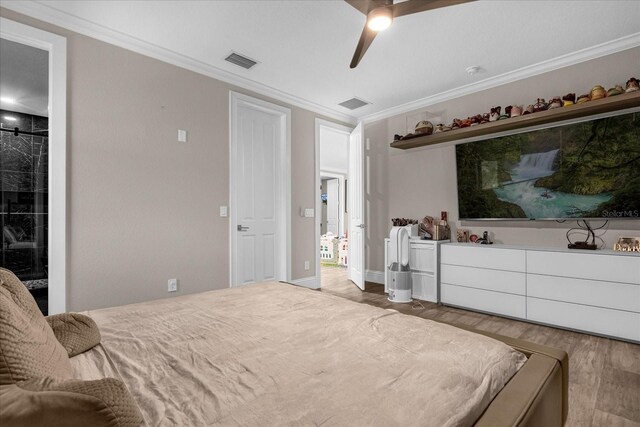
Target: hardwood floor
[(604, 374)]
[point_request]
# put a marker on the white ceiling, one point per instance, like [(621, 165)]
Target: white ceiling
[(304, 47)]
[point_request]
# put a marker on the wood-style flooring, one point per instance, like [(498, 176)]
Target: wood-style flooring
[(604, 374)]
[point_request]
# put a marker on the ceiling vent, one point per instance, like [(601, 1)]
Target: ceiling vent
[(240, 60), (354, 103)]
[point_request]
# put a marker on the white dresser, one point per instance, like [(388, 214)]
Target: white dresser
[(423, 260), (596, 292)]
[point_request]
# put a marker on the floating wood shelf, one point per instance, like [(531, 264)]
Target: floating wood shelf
[(599, 106)]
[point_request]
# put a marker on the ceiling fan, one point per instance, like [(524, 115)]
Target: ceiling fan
[(380, 14)]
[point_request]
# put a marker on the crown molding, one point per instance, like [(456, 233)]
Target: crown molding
[(40, 10), (597, 51), (46, 13)]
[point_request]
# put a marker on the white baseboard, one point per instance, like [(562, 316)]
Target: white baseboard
[(374, 276), (311, 282)]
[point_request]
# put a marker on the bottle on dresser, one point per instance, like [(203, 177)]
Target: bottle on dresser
[(445, 225)]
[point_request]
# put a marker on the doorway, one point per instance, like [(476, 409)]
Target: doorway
[(33, 160), (332, 169), (260, 195), (333, 212)]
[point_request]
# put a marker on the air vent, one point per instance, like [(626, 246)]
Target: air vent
[(240, 60), (354, 103)]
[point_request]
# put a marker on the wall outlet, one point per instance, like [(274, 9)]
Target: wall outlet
[(306, 265), (173, 285)]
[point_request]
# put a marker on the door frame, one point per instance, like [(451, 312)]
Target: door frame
[(283, 201), (57, 173), (320, 123)]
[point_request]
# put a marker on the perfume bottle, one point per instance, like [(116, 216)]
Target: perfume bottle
[(445, 225)]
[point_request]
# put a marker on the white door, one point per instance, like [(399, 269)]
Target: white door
[(333, 207), (257, 169), (355, 198)]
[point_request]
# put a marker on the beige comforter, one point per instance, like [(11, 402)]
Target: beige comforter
[(276, 354)]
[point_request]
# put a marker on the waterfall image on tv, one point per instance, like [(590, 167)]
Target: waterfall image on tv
[(582, 170)]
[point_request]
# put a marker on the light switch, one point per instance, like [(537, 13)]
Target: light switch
[(223, 211), (309, 212), (182, 135)]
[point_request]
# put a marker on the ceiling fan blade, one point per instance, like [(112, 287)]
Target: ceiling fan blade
[(414, 6), (366, 38), (365, 6)]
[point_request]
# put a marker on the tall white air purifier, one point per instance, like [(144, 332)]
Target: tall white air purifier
[(400, 272)]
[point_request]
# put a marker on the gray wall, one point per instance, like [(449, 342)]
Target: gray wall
[(422, 181), (143, 208)]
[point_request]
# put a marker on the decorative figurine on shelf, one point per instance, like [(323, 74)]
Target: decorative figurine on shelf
[(485, 118), (540, 105), (528, 110), (507, 113), (465, 123), (516, 111), (476, 120), (456, 124), (633, 85), (597, 92), (616, 90), (555, 103), (495, 113), (424, 127), (583, 98), (568, 99), (439, 128), (397, 137)]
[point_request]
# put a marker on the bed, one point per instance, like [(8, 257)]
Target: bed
[(277, 354)]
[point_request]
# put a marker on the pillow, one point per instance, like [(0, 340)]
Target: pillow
[(55, 403), (76, 332), (28, 347)]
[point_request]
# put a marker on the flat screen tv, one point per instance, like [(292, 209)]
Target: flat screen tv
[(583, 170)]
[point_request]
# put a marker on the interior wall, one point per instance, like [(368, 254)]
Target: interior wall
[(143, 208), (422, 181)]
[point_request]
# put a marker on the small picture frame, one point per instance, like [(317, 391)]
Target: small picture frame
[(462, 235), (627, 244)]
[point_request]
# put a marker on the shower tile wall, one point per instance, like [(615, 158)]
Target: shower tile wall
[(23, 209)]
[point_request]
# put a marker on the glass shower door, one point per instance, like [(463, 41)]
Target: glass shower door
[(24, 197)]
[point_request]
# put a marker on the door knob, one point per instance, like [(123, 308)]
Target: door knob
[(242, 228), (360, 226)]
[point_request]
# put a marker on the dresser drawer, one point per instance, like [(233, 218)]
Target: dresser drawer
[(480, 278), (622, 324), (422, 257), (485, 257), (489, 301), (424, 287), (612, 268), (620, 296)]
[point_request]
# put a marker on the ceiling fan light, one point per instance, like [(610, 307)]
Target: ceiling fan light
[(379, 19)]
